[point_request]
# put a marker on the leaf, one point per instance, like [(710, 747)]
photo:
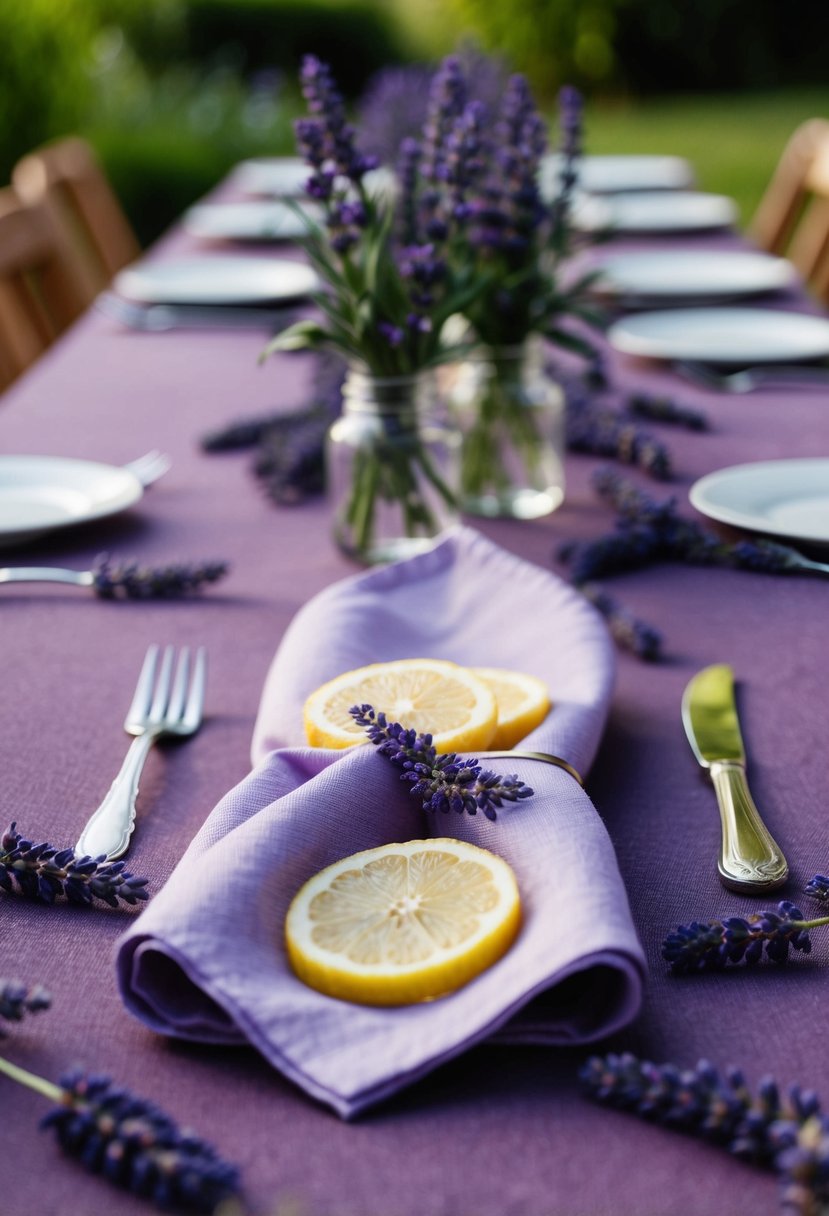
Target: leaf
[(304, 335)]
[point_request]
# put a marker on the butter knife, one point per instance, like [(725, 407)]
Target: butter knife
[(750, 859)]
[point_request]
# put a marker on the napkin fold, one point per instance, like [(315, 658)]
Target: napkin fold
[(206, 961)]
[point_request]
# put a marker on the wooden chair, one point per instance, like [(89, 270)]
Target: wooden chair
[(66, 178), (793, 216), (44, 283)]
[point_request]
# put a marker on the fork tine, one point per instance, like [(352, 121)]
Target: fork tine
[(195, 700), (176, 706), (144, 688), (162, 685)]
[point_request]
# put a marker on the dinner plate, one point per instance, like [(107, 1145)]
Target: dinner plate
[(216, 280), (788, 498), (654, 211), (614, 174), (727, 336), (685, 276), (278, 176), (254, 220), (39, 494)]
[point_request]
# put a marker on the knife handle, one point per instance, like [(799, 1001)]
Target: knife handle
[(750, 858)]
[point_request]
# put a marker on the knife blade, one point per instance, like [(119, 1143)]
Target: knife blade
[(750, 859)]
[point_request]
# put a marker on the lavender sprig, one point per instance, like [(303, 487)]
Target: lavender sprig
[(130, 581), (43, 873), (18, 999), (131, 1142), (664, 409), (711, 945), (629, 631), (597, 430), (443, 782), (818, 888), (783, 1130), (649, 531)]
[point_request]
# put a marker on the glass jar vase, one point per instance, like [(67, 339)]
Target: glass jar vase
[(392, 466), (511, 417)]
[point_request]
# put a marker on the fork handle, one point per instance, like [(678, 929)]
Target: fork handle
[(109, 829)]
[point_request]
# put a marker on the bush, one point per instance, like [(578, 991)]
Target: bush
[(355, 37), (44, 81), (653, 46)]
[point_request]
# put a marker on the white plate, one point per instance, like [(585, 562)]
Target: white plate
[(216, 280), (39, 494), (285, 177), (279, 177), (248, 221), (727, 336), (781, 497), (684, 275), (614, 174), (654, 211)]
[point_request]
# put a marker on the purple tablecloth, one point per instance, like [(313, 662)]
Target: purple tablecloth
[(501, 1129)]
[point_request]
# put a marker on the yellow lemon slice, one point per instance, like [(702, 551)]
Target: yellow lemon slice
[(523, 703), (457, 707), (403, 923)]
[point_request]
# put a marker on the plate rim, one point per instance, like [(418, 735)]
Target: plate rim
[(133, 493), (679, 315), (627, 198), (743, 519), (204, 263), (190, 221), (786, 274)]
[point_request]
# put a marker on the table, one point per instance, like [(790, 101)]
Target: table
[(500, 1131)]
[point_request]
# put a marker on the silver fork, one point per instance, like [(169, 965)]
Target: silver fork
[(163, 704), (747, 379), (149, 467)]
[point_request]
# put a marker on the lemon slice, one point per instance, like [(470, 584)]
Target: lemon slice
[(455, 706), (523, 703), (403, 923)]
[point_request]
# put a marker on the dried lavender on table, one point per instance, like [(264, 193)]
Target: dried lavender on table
[(44, 873), (785, 1131), (712, 945), (114, 579)]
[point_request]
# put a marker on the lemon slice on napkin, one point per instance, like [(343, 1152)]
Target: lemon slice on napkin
[(523, 703), (455, 706), (403, 923)]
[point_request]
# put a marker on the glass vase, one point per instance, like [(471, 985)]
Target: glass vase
[(392, 466), (511, 417)]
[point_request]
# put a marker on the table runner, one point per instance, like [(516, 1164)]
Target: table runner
[(501, 1128)]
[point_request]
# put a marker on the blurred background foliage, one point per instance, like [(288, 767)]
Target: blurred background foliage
[(172, 93)]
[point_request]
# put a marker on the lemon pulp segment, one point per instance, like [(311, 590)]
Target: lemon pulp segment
[(523, 703), (434, 695), (403, 923)]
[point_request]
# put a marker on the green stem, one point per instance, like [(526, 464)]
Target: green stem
[(809, 924), (39, 1084)]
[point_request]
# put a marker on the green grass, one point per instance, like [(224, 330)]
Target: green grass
[(733, 140)]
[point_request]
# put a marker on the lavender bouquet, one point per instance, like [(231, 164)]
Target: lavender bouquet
[(517, 238), (389, 287)]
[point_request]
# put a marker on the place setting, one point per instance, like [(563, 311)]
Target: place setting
[(221, 290)]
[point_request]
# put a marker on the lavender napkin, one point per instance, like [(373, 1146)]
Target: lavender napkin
[(206, 962)]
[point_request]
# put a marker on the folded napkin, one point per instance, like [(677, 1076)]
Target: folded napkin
[(206, 960)]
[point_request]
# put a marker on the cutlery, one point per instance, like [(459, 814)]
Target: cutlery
[(157, 318), (149, 467), (747, 379), (162, 705), (750, 859)]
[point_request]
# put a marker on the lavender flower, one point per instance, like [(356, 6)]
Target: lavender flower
[(443, 782), (600, 431), (818, 888), (627, 630), (570, 123), (711, 945), (131, 581), (42, 872), (17, 999), (664, 409), (137, 1146), (802, 1161), (326, 139), (716, 1105)]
